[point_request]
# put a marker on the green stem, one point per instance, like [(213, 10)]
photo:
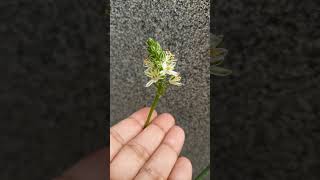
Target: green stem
[(153, 106), (203, 173)]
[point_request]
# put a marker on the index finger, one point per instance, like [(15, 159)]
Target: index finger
[(125, 130)]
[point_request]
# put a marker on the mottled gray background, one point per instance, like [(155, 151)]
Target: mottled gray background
[(182, 27), (53, 86), (266, 114)]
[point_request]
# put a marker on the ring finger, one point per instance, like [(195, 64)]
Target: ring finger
[(163, 160)]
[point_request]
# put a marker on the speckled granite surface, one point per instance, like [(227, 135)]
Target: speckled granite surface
[(182, 27), (266, 122)]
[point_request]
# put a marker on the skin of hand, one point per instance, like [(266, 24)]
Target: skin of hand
[(136, 153), (148, 154)]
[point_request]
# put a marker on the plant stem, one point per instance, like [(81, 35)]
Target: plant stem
[(203, 173), (153, 106)]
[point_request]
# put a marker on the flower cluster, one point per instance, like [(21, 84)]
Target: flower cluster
[(160, 65)]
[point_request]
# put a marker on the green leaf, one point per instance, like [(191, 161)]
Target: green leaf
[(217, 61), (215, 40), (218, 55), (219, 71), (216, 52), (203, 173)]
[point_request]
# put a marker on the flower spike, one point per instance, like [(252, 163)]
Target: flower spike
[(160, 69)]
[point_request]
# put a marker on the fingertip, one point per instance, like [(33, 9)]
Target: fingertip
[(168, 117), (186, 162), (179, 132), (142, 114), (175, 138), (146, 111), (182, 170), (165, 121)]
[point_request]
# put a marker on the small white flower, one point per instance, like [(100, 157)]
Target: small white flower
[(147, 63), (154, 74), (175, 80), (168, 68), (169, 57), (151, 82)]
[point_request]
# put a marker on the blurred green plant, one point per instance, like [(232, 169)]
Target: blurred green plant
[(107, 9), (203, 173), (217, 56)]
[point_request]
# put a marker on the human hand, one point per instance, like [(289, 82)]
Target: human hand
[(136, 153), (150, 153)]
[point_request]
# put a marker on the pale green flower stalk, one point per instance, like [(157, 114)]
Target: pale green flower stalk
[(160, 66), (203, 173)]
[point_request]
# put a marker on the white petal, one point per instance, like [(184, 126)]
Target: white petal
[(172, 65), (173, 73), (164, 65), (147, 73), (175, 83), (150, 82), (163, 73)]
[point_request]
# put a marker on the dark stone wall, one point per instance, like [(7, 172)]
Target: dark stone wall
[(266, 115), (54, 85)]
